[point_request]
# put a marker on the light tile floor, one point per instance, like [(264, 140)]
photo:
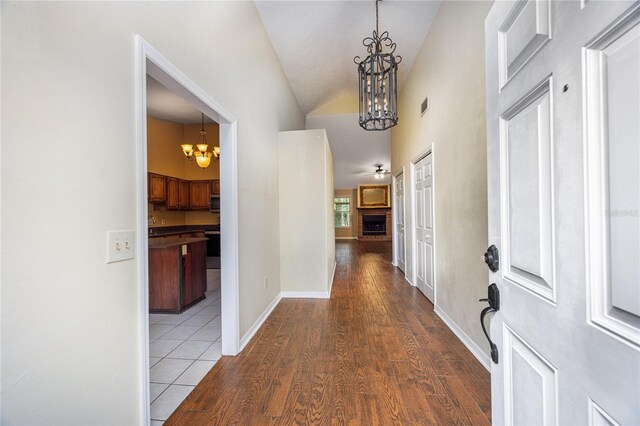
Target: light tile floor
[(182, 350)]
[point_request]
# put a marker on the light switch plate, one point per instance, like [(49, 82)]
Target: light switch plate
[(121, 245)]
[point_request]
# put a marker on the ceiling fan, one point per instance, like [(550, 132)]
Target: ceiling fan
[(380, 173)]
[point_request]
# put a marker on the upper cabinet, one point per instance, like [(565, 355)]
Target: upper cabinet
[(215, 186), (173, 193), (180, 194), (199, 194), (183, 195), (157, 188)]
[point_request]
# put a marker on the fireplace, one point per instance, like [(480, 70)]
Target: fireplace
[(374, 224)]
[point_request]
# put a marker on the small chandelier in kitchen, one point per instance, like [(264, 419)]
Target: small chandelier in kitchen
[(202, 156), (378, 82)]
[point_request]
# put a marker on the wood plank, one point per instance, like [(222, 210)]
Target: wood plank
[(375, 353)]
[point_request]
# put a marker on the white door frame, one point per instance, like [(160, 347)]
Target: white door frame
[(414, 161), (150, 61), (394, 247)]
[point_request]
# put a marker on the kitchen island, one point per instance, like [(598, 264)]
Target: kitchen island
[(177, 273)]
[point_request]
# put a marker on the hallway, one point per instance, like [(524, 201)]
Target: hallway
[(375, 353)]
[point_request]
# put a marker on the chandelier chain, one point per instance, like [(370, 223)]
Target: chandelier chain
[(377, 30)]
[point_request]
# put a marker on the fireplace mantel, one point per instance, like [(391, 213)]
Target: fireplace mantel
[(386, 211)]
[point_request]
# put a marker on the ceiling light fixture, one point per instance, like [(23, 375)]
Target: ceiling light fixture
[(202, 156), (379, 172), (378, 82)]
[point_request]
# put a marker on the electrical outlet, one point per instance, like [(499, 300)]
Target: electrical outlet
[(266, 283), (163, 221), (120, 245)]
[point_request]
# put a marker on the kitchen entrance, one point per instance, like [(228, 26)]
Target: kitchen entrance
[(185, 327), (187, 257)]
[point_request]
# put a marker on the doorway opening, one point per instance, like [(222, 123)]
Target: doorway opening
[(423, 215), (183, 211)]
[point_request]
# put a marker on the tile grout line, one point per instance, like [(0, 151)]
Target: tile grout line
[(219, 339)]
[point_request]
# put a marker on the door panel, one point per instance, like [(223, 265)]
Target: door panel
[(612, 66), (527, 240), (524, 31), (530, 389), (563, 101), (424, 226)]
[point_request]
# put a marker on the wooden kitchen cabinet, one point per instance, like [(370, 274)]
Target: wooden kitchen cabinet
[(180, 194), (183, 194), (199, 194), (177, 276), (173, 193), (195, 272), (177, 194), (157, 188)]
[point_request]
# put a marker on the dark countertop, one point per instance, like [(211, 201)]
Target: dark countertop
[(175, 230), (166, 242)]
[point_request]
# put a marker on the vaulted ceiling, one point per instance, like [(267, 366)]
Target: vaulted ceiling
[(316, 41)]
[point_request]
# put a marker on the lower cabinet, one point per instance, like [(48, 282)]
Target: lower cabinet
[(177, 275)]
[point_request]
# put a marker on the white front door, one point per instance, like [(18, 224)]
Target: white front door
[(398, 206), (563, 113), (424, 226)]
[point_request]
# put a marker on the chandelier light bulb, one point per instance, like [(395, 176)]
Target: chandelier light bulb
[(187, 149)]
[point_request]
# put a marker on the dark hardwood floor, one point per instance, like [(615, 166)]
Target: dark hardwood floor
[(375, 353)]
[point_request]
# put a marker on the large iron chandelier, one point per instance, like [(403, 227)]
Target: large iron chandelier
[(378, 81)]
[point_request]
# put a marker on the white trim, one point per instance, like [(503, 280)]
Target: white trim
[(465, 339), (259, 321), (149, 61), (394, 212), (597, 415), (144, 400), (305, 294), (346, 238), (333, 277), (412, 197), (394, 231), (408, 279)]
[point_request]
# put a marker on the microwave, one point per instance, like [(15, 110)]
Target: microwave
[(214, 203)]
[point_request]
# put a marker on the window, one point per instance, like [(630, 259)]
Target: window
[(342, 212)]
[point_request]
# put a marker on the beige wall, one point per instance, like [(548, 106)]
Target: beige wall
[(69, 336), (307, 246), (450, 69), (351, 232), (165, 157), (346, 102)]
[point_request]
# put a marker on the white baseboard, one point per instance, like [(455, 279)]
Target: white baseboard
[(261, 319), (465, 339), (407, 279), (333, 276), (305, 294), (346, 238)]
